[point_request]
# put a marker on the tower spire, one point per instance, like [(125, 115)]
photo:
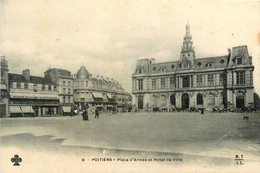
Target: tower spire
[(187, 41)]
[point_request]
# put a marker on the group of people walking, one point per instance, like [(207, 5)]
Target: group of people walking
[(85, 114)]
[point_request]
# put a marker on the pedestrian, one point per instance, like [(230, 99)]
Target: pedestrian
[(96, 113), (83, 115), (86, 114), (202, 111)]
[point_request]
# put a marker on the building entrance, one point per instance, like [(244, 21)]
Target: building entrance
[(140, 102), (185, 101), (240, 100)]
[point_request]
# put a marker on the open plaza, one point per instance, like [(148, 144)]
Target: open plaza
[(211, 139)]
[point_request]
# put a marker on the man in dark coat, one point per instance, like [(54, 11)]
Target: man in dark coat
[(85, 115), (96, 113)]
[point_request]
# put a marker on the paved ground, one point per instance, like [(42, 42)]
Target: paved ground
[(194, 140)]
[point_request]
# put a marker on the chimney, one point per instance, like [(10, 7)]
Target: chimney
[(26, 74), (152, 60)]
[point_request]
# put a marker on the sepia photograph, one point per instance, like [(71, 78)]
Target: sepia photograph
[(130, 86)]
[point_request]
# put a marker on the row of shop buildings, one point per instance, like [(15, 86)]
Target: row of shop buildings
[(223, 81), (58, 93)]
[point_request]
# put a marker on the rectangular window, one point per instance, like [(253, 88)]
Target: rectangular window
[(64, 90), (55, 88), (82, 83), (210, 80), (251, 78), (49, 87), (240, 78), (68, 99), (86, 83), (11, 85), (199, 81), (172, 82), (77, 83), (68, 83), (221, 79), (64, 99), (43, 87), (68, 90), (153, 84), (140, 84), (35, 88), (64, 83), (239, 61), (26, 86), (18, 85), (162, 83)]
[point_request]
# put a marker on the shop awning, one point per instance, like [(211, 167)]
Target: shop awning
[(109, 95), (97, 95), (15, 109), (27, 109), (66, 108), (20, 109)]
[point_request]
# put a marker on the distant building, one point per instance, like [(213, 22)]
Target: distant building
[(195, 82), (32, 95), (101, 93), (4, 90), (65, 82)]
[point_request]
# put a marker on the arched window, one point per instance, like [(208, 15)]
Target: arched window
[(199, 99), (172, 99)]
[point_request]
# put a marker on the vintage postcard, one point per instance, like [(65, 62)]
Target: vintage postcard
[(129, 86)]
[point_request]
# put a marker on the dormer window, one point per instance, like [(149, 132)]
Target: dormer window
[(208, 65), (239, 61), (222, 61), (199, 64), (154, 68), (162, 69), (172, 66), (140, 70)]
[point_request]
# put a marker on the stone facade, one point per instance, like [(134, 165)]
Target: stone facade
[(98, 92), (65, 82), (4, 89), (223, 81), (32, 95)]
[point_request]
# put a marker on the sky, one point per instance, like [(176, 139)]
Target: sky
[(109, 36)]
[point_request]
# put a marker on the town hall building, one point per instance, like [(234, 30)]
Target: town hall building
[(224, 81)]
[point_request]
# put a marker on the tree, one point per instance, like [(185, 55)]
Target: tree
[(257, 101)]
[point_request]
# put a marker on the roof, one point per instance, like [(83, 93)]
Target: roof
[(33, 79), (83, 73), (59, 69)]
